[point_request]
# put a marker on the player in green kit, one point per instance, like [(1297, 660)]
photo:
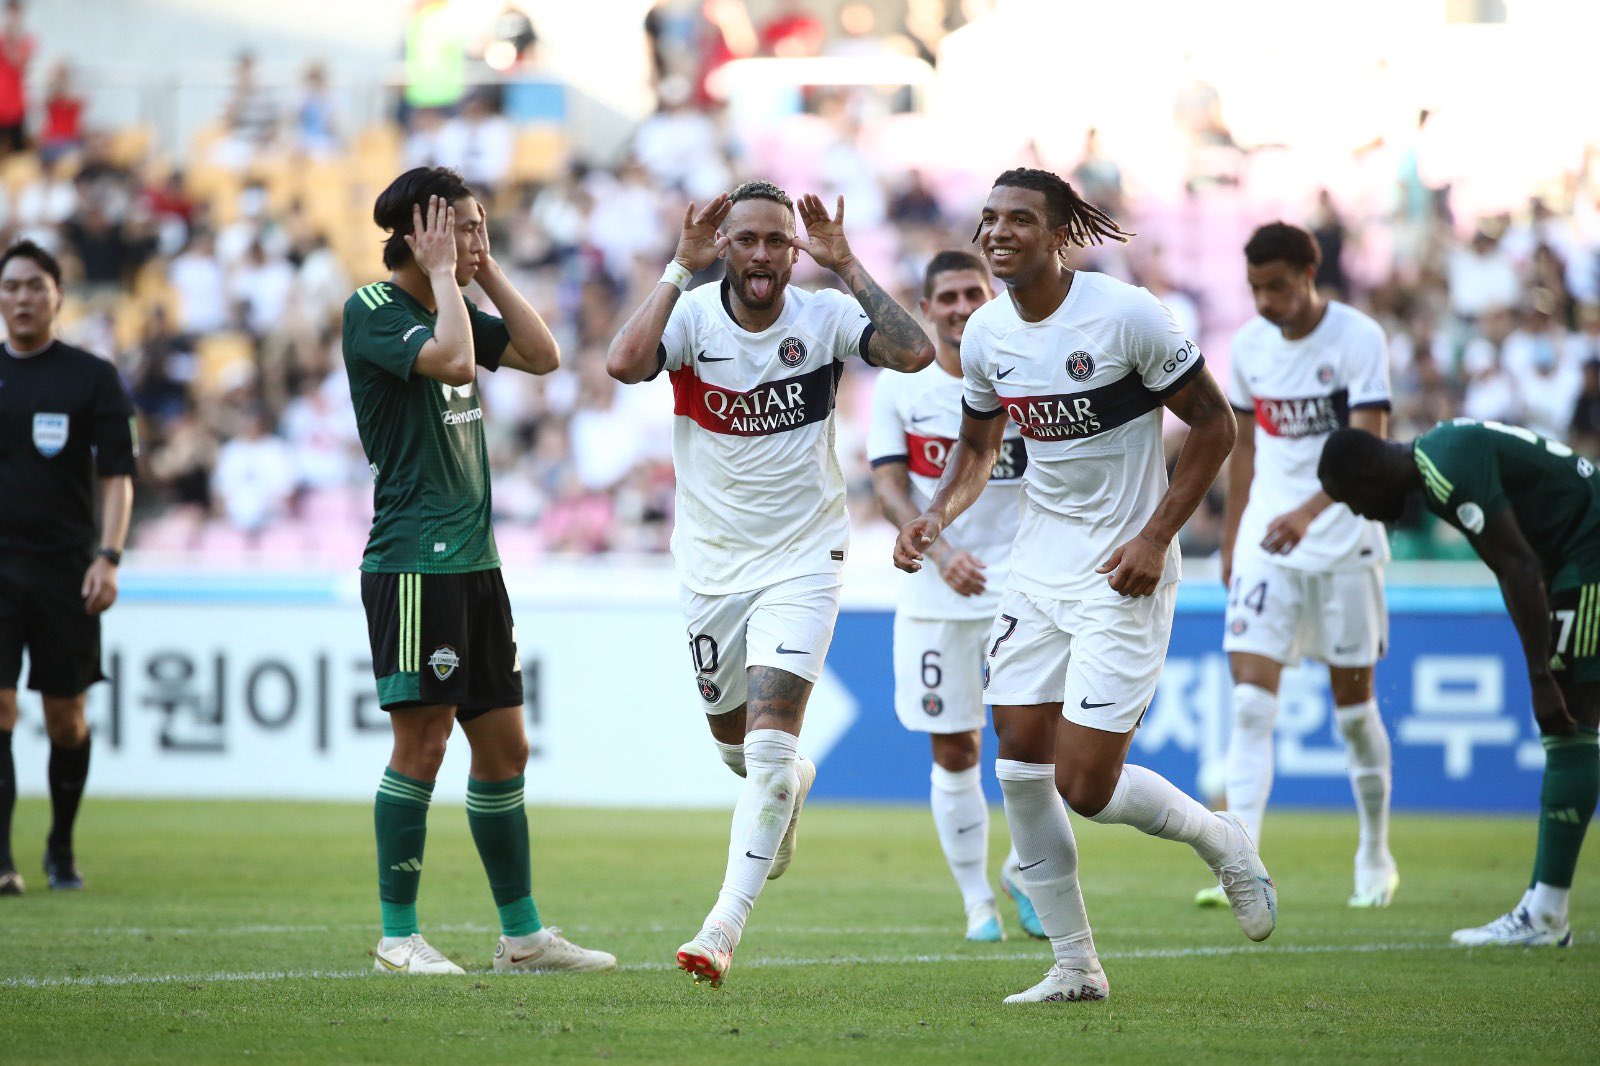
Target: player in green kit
[(1530, 507), (443, 644)]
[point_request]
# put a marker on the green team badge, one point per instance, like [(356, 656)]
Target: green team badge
[(444, 661)]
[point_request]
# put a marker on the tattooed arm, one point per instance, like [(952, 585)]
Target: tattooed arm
[(897, 341)]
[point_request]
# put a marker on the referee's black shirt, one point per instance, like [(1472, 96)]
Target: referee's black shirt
[(65, 421)]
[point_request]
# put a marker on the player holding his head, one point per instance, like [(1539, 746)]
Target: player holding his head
[(1304, 575), (1084, 364), (945, 611), (443, 643), (761, 526), (1530, 508)]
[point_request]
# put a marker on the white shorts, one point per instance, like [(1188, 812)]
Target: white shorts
[(938, 674), (1100, 658), (788, 626), (1338, 618)]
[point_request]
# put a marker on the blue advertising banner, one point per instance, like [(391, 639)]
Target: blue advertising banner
[(1453, 693)]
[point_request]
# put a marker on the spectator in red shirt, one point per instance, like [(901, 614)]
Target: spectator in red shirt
[(16, 49), (63, 116)]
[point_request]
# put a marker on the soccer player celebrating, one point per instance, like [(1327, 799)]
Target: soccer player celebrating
[(761, 526), (1304, 576), (1530, 508), (1084, 365), (945, 611), (443, 644)]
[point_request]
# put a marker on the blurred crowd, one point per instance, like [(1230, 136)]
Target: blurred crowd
[(215, 281)]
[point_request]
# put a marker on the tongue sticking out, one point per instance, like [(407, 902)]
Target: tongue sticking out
[(760, 287)]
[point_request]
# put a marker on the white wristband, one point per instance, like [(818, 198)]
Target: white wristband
[(676, 274)]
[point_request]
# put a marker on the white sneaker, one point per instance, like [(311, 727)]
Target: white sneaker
[(1375, 886), (785, 853), (1211, 897), (413, 955), (709, 956), (1062, 985), (983, 923), (11, 883), (547, 951), (1514, 929), (1244, 879)]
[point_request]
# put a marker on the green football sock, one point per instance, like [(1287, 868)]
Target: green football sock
[(400, 815), (1567, 801), (500, 829)]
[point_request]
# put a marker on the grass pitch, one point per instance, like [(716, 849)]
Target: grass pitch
[(240, 932)]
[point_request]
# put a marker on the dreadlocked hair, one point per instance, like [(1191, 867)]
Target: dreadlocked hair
[(1086, 224)]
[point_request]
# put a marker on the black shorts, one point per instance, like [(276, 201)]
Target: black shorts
[(41, 609), (442, 639)]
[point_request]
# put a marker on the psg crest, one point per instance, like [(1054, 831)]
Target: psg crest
[(792, 351), (1325, 374), (932, 705), (1080, 365), (708, 689)]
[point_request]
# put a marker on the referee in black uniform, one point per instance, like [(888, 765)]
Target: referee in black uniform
[(66, 423)]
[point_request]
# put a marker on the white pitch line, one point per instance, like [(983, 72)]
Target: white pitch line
[(778, 961)]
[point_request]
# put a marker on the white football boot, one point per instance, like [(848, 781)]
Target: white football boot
[(983, 923), (781, 859), (1061, 985), (413, 955), (1244, 879), (547, 951), (11, 883), (709, 956), (1515, 929), (1375, 885)]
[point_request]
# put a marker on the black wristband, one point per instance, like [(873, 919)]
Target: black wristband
[(110, 555)]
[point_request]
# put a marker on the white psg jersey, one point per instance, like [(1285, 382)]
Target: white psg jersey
[(915, 420), (1085, 386), (760, 496), (1300, 391)]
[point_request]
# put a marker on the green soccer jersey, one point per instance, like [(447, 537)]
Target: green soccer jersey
[(1471, 469), (424, 439)]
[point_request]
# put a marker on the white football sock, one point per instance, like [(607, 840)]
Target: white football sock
[(760, 819), (732, 755), (961, 816), (1547, 905), (1042, 835), (1152, 804), (1370, 774), (1250, 755)]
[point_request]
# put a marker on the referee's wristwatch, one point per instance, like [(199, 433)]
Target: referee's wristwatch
[(110, 555)]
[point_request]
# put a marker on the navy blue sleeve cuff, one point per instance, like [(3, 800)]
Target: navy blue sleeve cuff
[(661, 362), (1182, 379), (883, 460), (1372, 405), (967, 408), (861, 345)]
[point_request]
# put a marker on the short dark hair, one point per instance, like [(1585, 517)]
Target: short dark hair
[(760, 190), (1279, 242), (1351, 457), (946, 262), (392, 211), (1086, 224), (26, 249)]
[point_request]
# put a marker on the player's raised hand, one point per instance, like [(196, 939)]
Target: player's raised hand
[(824, 240), (432, 239), (700, 243), (963, 572), (1286, 531), (1136, 567), (915, 538)]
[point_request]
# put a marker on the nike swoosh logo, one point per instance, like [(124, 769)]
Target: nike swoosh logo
[(758, 858), (1086, 705), (968, 828), (921, 418), (1002, 375), (391, 967), (1030, 866), (704, 358), (518, 959), (1345, 650), (791, 651)]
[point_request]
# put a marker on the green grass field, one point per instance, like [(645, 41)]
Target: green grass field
[(240, 932)]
